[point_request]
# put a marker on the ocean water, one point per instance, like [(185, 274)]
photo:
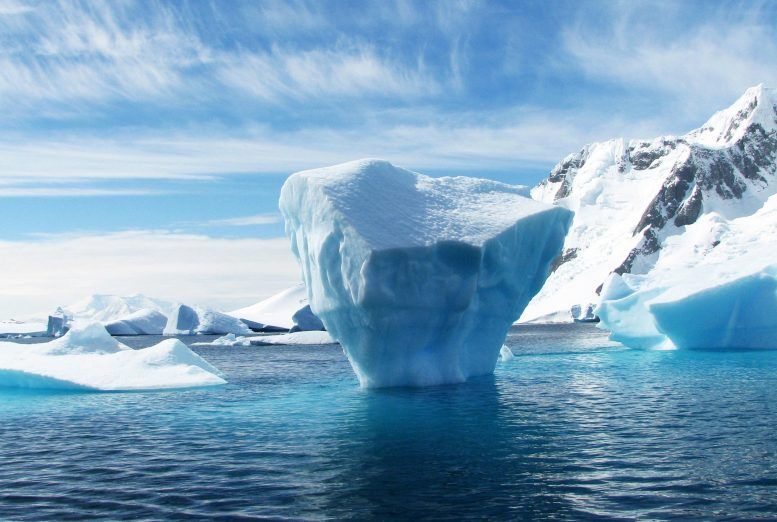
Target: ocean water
[(573, 428)]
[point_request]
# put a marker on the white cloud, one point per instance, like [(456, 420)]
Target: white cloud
[(66, 192), (41, 274), (245, 221), (351, 72), (696, 68)]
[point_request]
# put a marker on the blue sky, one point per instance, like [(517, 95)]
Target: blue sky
[(140, 124)]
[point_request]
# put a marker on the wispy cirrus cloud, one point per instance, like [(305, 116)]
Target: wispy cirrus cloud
[(242, 221), (693, 66)]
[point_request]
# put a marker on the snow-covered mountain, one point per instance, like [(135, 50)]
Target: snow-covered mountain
[(642, 204)]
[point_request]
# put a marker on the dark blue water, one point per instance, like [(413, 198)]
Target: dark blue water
[(573, 428)]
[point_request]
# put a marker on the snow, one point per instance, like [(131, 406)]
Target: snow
[(622, 190), (419, 278), (724, 298), (88, 358), (287, 309), (143, 322), (187, 320)]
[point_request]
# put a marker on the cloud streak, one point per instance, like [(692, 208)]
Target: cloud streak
[(225, 273)]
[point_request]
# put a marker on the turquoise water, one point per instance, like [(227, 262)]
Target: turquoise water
[(573, 428)]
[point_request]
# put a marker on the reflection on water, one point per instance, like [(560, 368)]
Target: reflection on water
[(574, 427)]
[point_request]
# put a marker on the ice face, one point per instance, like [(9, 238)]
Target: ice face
[(288, 310), (88, 358), (142, 322), (418, 278), (186, 320)]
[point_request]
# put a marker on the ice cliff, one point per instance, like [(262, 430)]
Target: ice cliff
[(419, 278)]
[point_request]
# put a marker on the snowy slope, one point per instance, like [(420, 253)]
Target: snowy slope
[(106, 308), (658, 203), (88, 358), (285, 309)]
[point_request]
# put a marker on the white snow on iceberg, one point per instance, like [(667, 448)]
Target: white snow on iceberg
[(418, 278), (288, 310), (88, 358)]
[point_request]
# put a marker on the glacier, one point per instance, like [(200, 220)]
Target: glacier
[(642, 205), (88, 358), (418, 278)]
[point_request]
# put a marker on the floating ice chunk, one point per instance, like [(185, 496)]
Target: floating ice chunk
[(738, 314), (142, 322), (288, 310), (87, 357), (506, 354), (301, 338), (419, 278), (305, 320), (186, 320)]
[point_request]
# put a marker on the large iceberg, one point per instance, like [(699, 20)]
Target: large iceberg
[(419, 278), (88, 358)]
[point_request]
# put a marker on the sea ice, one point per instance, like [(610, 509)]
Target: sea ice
[(419, 278), (88, 358)]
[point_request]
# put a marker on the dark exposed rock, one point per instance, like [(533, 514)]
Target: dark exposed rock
[(566, 255)]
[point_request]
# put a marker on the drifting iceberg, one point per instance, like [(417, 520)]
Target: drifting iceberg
[(88, 358), (185, 320), (418, 278), (143, 322), (286, 310)]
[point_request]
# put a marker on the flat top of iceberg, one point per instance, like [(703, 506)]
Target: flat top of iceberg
[(390, 207), (88, 358)]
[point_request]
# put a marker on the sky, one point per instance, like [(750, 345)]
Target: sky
[(143, 144)]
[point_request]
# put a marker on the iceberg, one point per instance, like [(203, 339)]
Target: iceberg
[(143, 322), (186, 320), (88, 358), (302, 338), (286, 310), (419, 278)]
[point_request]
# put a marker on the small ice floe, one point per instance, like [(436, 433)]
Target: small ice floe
[(505, 354), (296, 338), (88, 358)]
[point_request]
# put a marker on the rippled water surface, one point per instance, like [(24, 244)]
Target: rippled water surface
[(573, 428)]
